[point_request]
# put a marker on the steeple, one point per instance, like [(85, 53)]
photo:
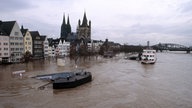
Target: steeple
[(68, 26), (68, 23), (22, 27), (65, 28), (84, 29), (64, 19), (84, 24)]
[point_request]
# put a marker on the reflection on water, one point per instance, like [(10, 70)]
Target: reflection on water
[(117, 83)]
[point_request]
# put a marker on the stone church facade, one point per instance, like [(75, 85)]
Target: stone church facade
[(84, 30)]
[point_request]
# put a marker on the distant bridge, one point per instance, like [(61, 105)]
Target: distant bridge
[(171, 47)]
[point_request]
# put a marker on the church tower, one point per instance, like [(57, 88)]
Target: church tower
[(84, 30), (65, 29)]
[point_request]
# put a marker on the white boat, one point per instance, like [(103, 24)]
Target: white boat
[(148, 56)]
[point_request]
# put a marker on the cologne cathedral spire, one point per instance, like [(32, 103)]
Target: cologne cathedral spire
[(65, 28)]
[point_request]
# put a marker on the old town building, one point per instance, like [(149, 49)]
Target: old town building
[(28, 46), (12, 29), (38, 48)]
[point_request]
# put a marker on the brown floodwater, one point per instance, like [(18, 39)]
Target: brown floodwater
[(117, 83)]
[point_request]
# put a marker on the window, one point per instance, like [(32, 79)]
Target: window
[(5, 43), (5, 54), (16, 33), (11, 38), (5, 49)]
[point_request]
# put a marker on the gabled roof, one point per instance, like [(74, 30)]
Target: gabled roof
[(24, 31), (53, 42), (2, 33), (43, 37), (34, 34), (7, 26)]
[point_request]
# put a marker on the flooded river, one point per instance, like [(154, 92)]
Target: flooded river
[(117, 83)]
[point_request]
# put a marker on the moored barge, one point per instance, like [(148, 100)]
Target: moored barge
[(67, 79)]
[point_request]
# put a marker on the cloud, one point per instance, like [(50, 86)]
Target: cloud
[(124, 21), (7, 6), (186, 7)]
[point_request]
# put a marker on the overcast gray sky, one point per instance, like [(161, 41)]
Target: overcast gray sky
[(123, 21)]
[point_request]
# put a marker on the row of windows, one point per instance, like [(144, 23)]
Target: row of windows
[(148, 55), (16, 43), (16, 38), (5, 54), (37, 42), (29, 43), (46, 43), (17, 54), (5, 49), (29, 48), (4, 43), (15, 60), (149, 51), (37, 46), (28, 38), (16, 49), (66, 48), (38, 51)]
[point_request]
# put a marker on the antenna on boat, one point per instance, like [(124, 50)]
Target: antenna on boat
[(148, 45)]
